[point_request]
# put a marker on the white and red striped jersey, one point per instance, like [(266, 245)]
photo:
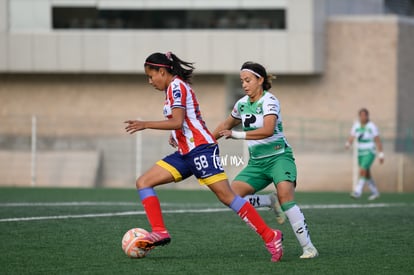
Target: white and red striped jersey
[(194, 131)]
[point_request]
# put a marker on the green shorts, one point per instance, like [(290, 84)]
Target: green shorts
[(365, 161), (259, 173)]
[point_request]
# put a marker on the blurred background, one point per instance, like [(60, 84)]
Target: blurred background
[(71, 71)]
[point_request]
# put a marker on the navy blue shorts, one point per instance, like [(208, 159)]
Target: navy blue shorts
[(203, 162)]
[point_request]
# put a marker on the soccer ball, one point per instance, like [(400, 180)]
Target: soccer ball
[(129, 240)]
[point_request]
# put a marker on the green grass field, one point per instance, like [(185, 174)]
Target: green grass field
[(353, 237)]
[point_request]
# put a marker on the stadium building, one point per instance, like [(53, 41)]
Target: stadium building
[(71, 71)]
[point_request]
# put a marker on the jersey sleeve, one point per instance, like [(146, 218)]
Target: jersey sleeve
[(177, 94), (354, 130), (235, 112), (374, 130), (271, 106)]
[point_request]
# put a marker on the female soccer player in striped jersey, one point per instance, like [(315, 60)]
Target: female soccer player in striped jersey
[(198, 153), (271, 157), (368, 142)]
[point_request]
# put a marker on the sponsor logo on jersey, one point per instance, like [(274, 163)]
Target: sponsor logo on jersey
[(167, 110), (248, 120), (278, 147), (271, 108), (176, 93), (259, 109)]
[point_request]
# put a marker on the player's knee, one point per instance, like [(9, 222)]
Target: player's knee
[(138, 183), (142, 182), (285, 191), (363, 173)]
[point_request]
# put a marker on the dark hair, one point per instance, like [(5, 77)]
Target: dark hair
[(172, 64), (259, 70), (363, 110)]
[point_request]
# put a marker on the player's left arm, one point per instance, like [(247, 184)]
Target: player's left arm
[(268, 129), (173, 123), (269, 123), (378, 144), (226, 125), (351, 137)]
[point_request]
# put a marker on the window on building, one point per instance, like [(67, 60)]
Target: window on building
[(93, 18), (400, 7)]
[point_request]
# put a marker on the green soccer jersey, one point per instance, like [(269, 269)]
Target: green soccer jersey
[(365, 135), (252, 114)]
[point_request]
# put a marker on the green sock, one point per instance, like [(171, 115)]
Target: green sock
[(287, 205)]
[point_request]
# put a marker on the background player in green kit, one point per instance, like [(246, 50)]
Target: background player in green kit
[(366, 132), (271, 157)]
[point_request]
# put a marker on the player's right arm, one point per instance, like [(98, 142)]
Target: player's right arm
[(349, 142), (227, 124), (351, 137)]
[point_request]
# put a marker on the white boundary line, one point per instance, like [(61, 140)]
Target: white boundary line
[(98, 215), (353, 205), (206, 210)]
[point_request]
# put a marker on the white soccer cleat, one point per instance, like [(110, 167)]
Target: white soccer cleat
[(374, 197), (277, 209), (309, 252), (355, 195)]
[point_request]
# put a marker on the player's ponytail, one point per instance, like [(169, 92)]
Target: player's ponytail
[(259, 71), (172, 64)]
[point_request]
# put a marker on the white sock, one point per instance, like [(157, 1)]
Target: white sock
[(373, 187), (299, 226), (258, 201), (359, 187)]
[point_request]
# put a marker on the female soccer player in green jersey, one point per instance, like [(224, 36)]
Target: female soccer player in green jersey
[(271, 157), (366, 132)]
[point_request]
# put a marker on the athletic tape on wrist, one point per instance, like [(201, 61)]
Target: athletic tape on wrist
[(238, 135)]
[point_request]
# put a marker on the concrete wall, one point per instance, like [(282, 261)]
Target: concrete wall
[(30, 45), (367, 64), (360, 70), (333, 172), (53, 168), (96, 96)]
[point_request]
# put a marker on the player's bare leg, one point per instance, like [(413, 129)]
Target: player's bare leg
[(285, 191), (242, 189)]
